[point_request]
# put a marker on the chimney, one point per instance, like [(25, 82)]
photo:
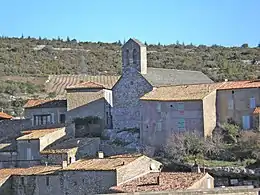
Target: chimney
[(46, 164), (226, 80), (100, 154), (64, 164)]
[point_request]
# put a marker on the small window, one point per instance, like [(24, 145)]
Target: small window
[(47, 181), (230, 104), (62, 118), (134, 56), (158, 106), (181, 124), (22, 180), (252, 102), (233, 92), (131, 83), (171, 105), (159, 126)]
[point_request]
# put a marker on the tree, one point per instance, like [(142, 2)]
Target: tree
[(22, 37), (245, 45), (258, 45), (68, 39)]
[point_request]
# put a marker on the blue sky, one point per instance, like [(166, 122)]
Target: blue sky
[(222, 22)]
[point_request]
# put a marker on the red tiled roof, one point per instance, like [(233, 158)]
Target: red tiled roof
[(240, 84), (5, 116), (257, 110), (167, 181), (44, 103)]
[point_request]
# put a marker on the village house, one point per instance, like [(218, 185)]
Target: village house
[(85, 176), (166, 181), (239, 101), (70, 150), (45, 112), (172, 109)]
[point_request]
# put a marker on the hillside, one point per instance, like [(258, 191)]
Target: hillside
[(27, 62)]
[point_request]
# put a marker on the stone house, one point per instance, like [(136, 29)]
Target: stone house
[(44, 112), (238, 101), (90, 99), (33, 142), (166, 181), (70, 150), (85, 176), (172, 109)]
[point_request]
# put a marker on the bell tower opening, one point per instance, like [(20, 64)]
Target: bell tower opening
[(134, 55)]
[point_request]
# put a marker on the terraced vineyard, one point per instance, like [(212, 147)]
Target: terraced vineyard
[(58, 83)]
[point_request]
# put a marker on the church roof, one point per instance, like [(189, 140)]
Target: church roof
[(138, 42), (158, 77)]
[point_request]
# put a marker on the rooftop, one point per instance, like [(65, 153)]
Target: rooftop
[(87, 85), (181, 92), (58, 83), (67, 145), (36, 134), (240, 84), (44, 103), (167, 181), (36, 170), (5, 116), (103, 164), (159, 77)]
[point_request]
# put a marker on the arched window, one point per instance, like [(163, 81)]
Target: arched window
[(134, 56), (127, 57)]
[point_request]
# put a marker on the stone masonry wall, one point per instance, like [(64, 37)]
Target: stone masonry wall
[(126, 93), (12, 128)]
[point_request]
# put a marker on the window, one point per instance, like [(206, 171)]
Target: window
[(180, 106), (134, 56), (107, 117), (181, 124), (29, 153), (47, 181), (158, 106), (252, 102), (158, 126), (246, 122), (62, 118), (42, 119), (230, 104), (127, 57), (22, 180)]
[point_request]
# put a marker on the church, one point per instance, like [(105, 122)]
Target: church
[(113, 99)]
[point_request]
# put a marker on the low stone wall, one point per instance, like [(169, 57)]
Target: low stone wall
[(220, 191)]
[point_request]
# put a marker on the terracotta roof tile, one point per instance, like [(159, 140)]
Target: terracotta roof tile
[(58, 83), (44, 103), (70, 145), (181, 92), (257, 110), (87, 85), (167, 181), (102, 164), (36, 170), (240, 84), (5, 116), (36, 134)]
